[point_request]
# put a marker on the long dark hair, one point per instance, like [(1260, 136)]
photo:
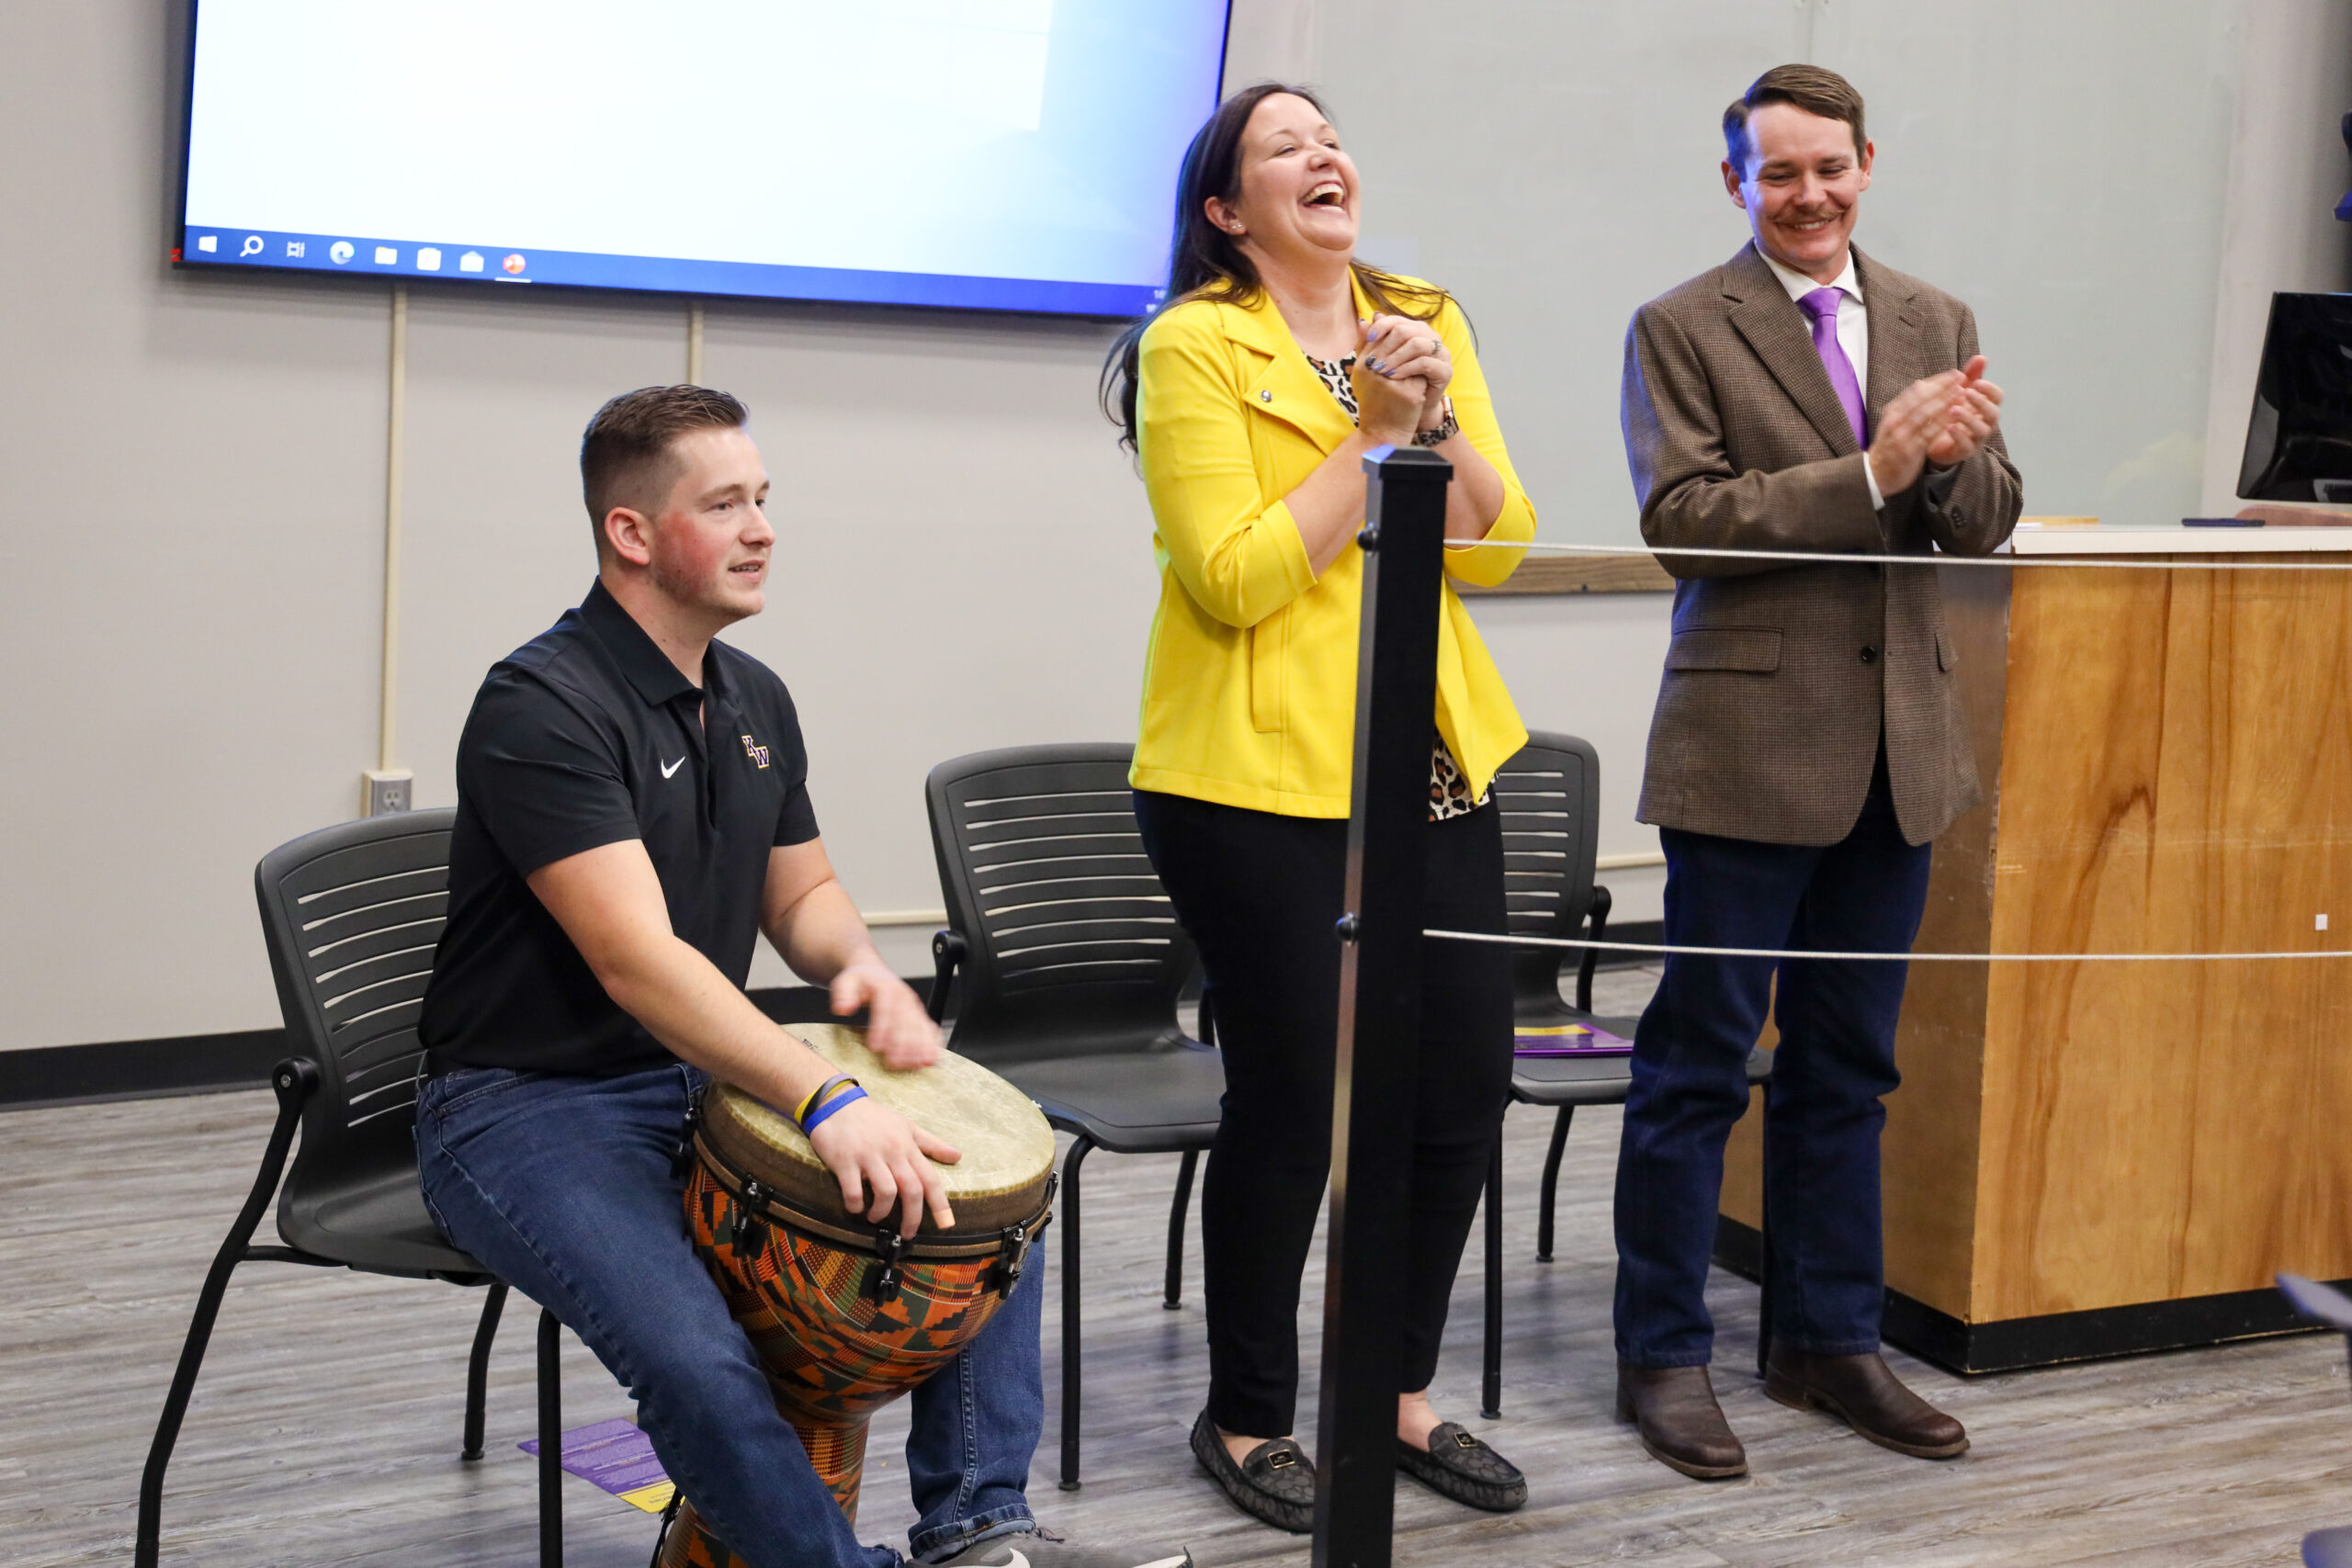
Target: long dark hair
[(1205, 262)]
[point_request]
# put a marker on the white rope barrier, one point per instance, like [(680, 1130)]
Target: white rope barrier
[(2006, 561), (1661, 950)]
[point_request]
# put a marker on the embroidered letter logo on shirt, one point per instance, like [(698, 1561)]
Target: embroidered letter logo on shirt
[(757, 753)]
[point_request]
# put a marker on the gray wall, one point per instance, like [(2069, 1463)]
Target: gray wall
[(192, 522)]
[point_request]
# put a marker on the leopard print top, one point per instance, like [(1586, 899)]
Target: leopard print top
[(1448, 788)]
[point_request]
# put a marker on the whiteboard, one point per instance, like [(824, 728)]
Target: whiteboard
[(2060, 166)]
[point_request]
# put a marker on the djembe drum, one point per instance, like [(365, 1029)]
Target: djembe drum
[(847, 1315)]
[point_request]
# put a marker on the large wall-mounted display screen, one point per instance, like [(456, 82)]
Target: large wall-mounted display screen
[(996, 154)]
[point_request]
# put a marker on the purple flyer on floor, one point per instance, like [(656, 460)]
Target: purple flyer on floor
[(616, 1456), (1570, 1040)]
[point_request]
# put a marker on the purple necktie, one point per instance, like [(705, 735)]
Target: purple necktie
[(1822, 306)]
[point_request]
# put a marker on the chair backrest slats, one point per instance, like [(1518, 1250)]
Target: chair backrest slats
[(1071, 944), (1549, 795), (353, 914)]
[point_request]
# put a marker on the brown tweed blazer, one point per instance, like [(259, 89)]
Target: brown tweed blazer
[(1779, 680)]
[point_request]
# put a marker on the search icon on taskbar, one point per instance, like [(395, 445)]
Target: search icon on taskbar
[(251, 247)]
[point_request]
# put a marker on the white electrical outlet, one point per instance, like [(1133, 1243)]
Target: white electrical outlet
[(384, 791)]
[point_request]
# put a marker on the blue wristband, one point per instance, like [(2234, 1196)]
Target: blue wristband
[(817, 1096), (816, 1117)]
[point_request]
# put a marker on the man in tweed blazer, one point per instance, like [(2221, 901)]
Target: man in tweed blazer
[(1807, 745)]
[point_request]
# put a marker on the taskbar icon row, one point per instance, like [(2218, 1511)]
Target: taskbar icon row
[(276, 249)]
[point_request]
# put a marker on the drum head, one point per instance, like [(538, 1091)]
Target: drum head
[(1007, 1146)]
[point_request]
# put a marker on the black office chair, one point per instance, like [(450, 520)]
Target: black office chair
[(351, 914), (1067, 959), (1549, 795)]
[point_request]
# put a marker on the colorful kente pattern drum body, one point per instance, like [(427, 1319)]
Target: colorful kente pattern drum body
[(845, 1316)]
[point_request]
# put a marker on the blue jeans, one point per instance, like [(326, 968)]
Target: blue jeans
[(562, 1187), (1836, 1059)]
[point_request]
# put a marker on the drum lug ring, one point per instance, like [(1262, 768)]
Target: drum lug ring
[(889, 1246), (1014, 1241), (683, 1157), (750, 1220)]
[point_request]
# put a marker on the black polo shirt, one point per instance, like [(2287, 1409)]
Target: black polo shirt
[(588, 735)]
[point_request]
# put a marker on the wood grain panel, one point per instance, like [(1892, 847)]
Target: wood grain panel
[(1930, 1147), (1635, 572), (2176, 776)]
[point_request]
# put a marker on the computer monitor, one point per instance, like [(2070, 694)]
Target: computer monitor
[(2299, 443)]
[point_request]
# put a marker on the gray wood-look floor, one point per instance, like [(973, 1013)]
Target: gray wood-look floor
[(325, 1430)]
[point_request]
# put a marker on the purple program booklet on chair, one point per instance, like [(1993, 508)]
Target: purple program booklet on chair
[(1570, 1040)]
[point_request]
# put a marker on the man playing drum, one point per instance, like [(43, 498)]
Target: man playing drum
[(633, 812)]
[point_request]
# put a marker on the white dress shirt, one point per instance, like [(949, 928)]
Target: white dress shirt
[(1853, 329)]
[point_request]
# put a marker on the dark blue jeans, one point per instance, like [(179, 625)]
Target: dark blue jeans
[(1836, 1059), (562, 1186)]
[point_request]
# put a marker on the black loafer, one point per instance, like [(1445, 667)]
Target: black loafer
[(1275, 1484), (1464, 1469)]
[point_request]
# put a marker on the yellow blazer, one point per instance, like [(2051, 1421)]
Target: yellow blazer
[(1250, 686)]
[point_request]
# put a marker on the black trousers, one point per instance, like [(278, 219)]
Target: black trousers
[(1259, 895)]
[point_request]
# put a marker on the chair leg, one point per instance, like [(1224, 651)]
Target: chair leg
[(477, 1368), (1764, 1248), (167, 1429), (293, 1080), (1552, 1183), (1490, 1387), (1070, 1384), (550, 1444), (1172, 1292)]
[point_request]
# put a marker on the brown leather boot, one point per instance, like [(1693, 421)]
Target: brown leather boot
[(1864, 1392), (1681, 1425)]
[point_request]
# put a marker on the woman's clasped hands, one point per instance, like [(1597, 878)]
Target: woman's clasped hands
[(1400, 376)]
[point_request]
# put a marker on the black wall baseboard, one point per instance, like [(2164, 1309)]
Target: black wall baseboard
[(2015, 1344), (140, 1069), (221, 1063)]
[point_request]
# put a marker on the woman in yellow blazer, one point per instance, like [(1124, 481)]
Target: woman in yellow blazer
[(1250, 399)]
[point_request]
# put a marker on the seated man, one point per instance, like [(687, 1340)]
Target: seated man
[(633, 811)]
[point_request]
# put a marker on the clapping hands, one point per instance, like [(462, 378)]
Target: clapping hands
[(1944, 419)]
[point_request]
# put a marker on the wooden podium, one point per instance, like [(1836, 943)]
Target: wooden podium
[(2088, 1159)]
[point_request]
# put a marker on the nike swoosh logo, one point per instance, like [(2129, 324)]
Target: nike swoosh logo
[(668, 768)]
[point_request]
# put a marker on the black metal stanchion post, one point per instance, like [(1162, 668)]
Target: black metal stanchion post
[(1380, 974)]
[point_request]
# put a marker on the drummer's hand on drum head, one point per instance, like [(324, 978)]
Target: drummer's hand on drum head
[(900, 1029), (867, 1144)]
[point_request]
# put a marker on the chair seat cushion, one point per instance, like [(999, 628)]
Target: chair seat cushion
[(1595, 1080), (378, 1224), (1135, 1102)]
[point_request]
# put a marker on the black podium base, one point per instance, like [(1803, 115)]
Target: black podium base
[(2014, 1344)]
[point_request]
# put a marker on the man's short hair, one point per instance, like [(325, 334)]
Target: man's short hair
[(625, 456), (1813, 88)]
